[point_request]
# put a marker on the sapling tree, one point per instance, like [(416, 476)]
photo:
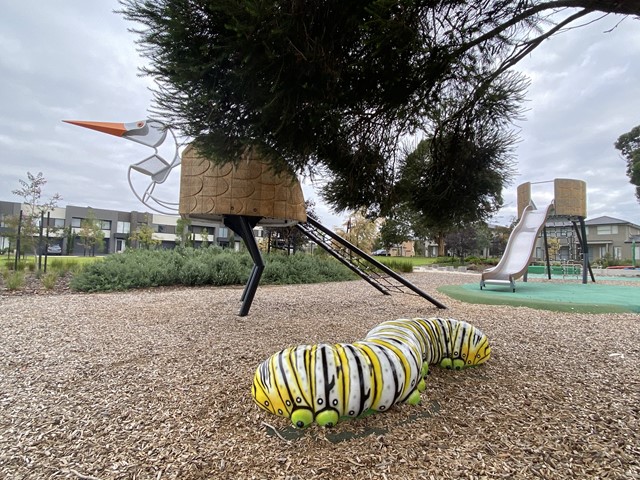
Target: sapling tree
[(31, 192)]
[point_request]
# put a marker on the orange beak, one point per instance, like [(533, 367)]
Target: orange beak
[(117, 129)]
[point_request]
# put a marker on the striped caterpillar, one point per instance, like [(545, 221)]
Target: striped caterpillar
[(323, 383)]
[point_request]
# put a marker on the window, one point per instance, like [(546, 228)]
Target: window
[(607, 230), (75, 222), (223, 232), (58, 222), (123, 227), (105, 224), (617, 253)]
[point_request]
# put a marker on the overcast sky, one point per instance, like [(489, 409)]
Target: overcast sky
[(74, 59)]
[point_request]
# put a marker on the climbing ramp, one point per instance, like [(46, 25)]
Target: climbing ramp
[(375, 273)]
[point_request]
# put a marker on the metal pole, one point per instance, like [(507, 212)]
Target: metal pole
[(40, 241), (46, 251), (15, 265), (546, 251), (582, 236)]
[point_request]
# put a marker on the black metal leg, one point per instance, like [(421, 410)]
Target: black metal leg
[(243, 226), (254, 272)]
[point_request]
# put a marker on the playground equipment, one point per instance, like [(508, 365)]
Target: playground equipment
[(242, 194), (324, 383), (569, 207)]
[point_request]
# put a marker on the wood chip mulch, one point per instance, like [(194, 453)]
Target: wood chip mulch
[(156, 384)]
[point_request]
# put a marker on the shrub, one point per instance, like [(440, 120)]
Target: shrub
[(63, 266), (15, 281), (398, 265), (202, 266), (49, 280)]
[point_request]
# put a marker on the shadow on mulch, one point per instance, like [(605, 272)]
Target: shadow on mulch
[(292, 433)]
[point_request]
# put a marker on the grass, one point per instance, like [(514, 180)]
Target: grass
[(414, 261), (406, 264), (59, 263), (14, 280)]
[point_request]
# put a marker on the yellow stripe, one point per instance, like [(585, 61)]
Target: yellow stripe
[(375, 370)]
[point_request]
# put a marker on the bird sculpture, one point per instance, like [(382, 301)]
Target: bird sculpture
[(242, 194)]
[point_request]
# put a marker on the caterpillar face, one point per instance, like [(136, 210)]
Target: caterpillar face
[(323, 383)]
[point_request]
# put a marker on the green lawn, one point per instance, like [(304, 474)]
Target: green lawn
[(53, 261), (415, 261)]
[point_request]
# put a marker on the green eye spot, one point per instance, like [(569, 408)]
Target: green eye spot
[(302, 418), (446, 363), (458, 364), (328, 418)]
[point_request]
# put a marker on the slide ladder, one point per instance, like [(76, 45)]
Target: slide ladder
[(375, 273)]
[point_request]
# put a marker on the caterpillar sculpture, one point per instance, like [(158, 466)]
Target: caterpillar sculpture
[(323, 383)]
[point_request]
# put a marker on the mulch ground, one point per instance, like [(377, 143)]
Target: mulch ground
[(155, 384)]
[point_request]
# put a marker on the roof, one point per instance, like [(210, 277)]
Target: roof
[(605, 220)]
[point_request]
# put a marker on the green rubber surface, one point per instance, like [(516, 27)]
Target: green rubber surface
[(559, 297)]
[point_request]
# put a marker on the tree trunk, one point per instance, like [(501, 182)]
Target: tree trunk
[(441, 249)]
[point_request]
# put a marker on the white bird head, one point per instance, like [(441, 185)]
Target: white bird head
[(151, 133)]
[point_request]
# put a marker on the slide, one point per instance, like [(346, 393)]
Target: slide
[(517, 255)]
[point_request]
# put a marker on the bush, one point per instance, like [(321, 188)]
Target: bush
[(398, 265), (65, 265), (15, 280), (201, 266), (49, 280)]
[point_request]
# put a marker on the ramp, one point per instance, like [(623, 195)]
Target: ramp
[(519, 250), (375, 273)]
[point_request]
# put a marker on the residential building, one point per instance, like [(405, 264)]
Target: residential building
[(611, 237), (117, 227), (607, 237)]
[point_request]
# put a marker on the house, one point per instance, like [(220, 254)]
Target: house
[(607, 237), (116, 226), (404, 249)]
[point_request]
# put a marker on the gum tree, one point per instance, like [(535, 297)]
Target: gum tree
[(629, 146)]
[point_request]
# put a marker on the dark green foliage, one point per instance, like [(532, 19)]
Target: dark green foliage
[(202, 266), (629, 146)]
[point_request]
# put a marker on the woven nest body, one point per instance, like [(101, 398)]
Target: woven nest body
[(156, 384), (250, 187)]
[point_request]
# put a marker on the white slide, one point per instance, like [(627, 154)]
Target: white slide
[(517, 255)]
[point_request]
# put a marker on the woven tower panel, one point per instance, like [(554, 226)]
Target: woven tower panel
[(570, 197), (524, 197)]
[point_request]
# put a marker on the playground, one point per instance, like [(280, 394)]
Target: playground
[(156, 384)]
